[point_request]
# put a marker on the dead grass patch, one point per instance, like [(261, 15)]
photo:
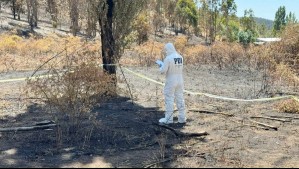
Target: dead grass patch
[(24, 54), (289, 106)]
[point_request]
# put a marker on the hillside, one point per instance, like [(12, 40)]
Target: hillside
[(267, 22)]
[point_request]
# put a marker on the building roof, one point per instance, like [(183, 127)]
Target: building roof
[(268, 39)]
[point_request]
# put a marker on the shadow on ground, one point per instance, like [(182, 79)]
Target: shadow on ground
[(124, 136)]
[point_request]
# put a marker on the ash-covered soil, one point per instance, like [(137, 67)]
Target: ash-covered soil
[(126, 134)]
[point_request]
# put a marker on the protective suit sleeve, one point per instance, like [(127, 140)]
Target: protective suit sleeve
[(160, 63), (165, 66)]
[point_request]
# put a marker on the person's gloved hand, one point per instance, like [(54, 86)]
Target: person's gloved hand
[(160, 63)]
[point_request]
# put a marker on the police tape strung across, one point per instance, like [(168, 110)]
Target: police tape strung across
[(186, 91)]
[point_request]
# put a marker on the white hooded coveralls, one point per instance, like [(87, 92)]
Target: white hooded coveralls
[(174, 87)]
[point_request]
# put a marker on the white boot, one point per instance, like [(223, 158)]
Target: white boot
[(183, 120), (165, 121)]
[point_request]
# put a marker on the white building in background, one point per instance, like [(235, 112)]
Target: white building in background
[(261, 41)]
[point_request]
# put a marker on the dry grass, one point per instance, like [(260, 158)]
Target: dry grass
[(145, 54), (278, 61), (286, 74), (71, 95), (228, 55), (287, 50), (289, 106), (26, 54)]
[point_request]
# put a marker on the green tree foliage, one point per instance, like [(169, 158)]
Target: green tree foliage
[(280, 19), (291, 18), (234, 28), (247, 21), (228, 9), (245, 37), (262, 30), (248, 32), (187, 13)]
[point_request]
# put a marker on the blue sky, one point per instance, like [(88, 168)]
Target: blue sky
[(267, 8)]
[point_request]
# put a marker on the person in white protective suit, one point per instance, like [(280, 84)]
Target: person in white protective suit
[(174, 87)]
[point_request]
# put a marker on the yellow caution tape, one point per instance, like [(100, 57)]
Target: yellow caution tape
[(12, 80), (215, 96), (144, 77), (23, 79), (295, 98), (186, 91)]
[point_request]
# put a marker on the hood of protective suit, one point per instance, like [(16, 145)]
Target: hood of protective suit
[(169, 49)]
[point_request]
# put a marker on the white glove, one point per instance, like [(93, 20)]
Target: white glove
[(160, 63)]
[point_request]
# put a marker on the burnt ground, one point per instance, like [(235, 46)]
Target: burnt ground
[(125, 134)]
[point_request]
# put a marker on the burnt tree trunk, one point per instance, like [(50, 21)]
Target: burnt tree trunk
[(74, 15), (32, 7), (35, 11), (52, 9), (108, 41), (91, 20), (14, 9)]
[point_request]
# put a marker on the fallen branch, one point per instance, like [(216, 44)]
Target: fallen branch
[(265, 125), (289, 117), (256, 126), (140, 147), (271, 118), (260, 127), (159, 162), (19, 99), (181, 134), (210, 112), (32, 128)]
